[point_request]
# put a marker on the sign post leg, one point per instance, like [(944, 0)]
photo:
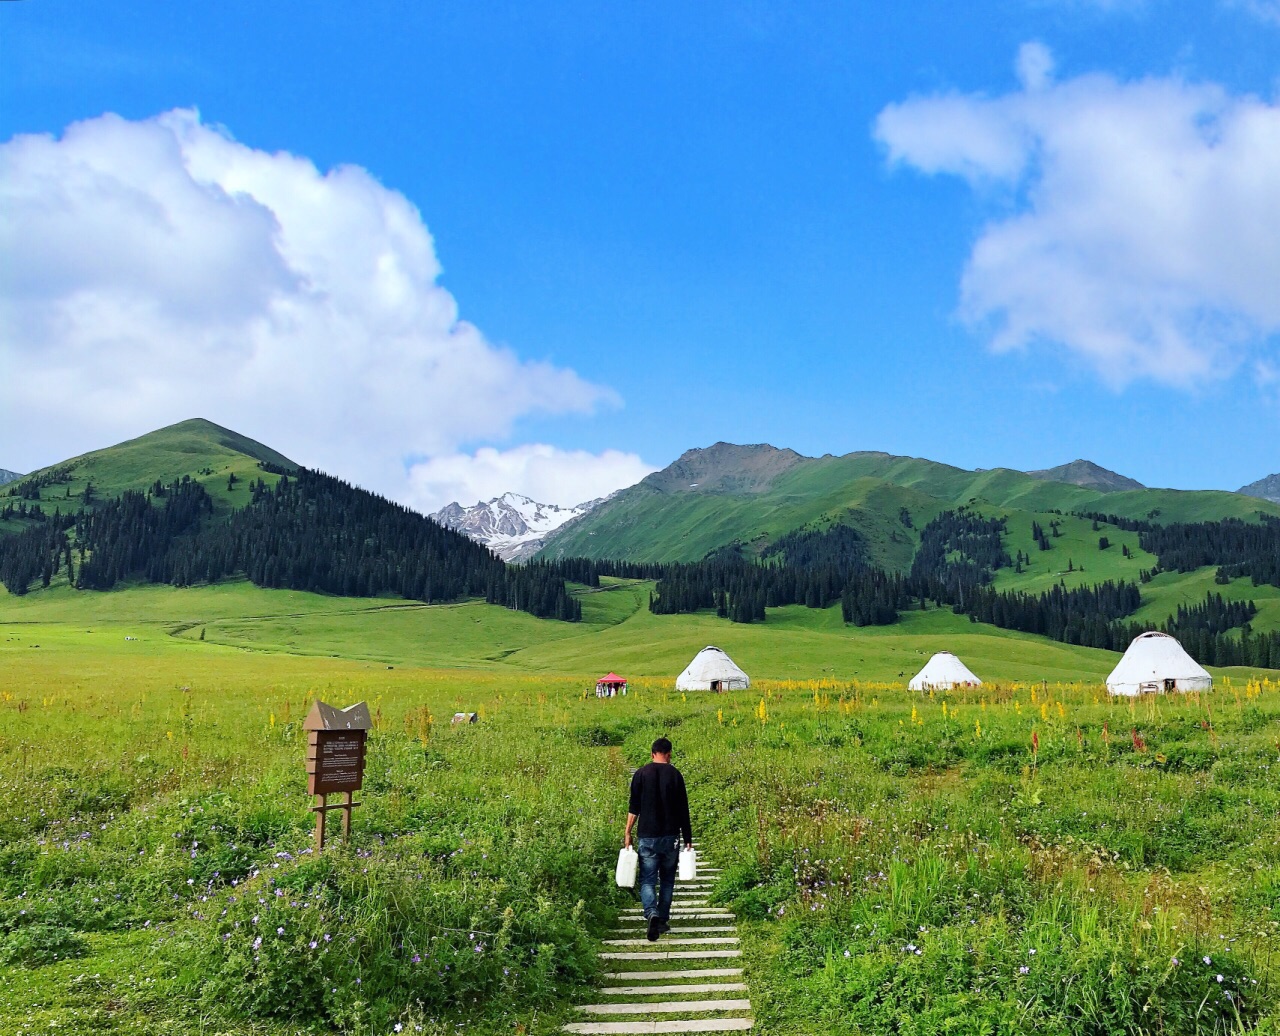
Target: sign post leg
[(320, 812), (346, 820)]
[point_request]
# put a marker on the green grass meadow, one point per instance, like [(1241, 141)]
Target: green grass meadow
[(1030, 856)]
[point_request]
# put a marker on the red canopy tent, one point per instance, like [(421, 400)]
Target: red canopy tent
[(609, 685)]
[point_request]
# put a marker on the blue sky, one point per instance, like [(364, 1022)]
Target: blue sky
[(989, 234)]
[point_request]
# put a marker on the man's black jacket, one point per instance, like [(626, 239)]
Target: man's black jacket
[(660, 802)]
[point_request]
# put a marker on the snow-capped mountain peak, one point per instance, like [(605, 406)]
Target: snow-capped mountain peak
[(511, 525)]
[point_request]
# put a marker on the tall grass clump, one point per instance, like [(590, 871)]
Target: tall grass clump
[(1016, 859), (355, 938), (477, 875)]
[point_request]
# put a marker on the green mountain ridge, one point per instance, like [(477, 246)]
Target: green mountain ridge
[(725, 494), (207, 452), (752, 495)]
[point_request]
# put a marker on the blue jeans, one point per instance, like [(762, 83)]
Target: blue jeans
[(658, 860)]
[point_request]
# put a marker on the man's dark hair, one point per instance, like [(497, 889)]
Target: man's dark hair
[(661, 747)]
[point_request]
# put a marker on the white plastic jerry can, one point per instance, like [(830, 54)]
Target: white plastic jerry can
[(628, 867), (688, 868)]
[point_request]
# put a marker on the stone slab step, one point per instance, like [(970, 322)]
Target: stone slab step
[(672, 955), (668, 1007), (667, 990), (666, 941), (680, 929), (628, 976), (684, 916), (665, 1026), (699, 915)]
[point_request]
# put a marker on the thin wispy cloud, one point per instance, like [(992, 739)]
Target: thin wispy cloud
[(1138, 223), (1266, 10)]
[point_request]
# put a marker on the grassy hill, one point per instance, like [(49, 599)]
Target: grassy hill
[(207, 452), (1077, 548), (887, 498), (1077, 560)]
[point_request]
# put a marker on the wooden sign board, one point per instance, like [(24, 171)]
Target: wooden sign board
[(335, 759)]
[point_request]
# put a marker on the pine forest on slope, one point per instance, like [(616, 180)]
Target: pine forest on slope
[(231, 506), (909, 535)]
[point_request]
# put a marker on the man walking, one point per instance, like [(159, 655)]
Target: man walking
[(659, 812)]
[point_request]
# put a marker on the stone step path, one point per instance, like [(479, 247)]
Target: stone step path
[(712, 998), (692, 987), (685, 929), (669, 941), (623, 976)]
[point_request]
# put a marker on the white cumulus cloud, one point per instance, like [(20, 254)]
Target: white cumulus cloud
[(544, 473), (158, 269), (1138, 222)]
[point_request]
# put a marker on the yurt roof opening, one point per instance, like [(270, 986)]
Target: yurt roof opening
[(942, 672), (712, 670), (1155, 663)]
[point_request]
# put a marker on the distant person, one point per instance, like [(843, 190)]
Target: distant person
[(659, 812)]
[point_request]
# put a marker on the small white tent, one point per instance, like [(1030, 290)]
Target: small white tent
[(1155, 663), (942, 672), (712, 670)]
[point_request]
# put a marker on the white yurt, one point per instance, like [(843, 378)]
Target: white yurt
[(1155, 663), (942, 672), (712, 670)]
